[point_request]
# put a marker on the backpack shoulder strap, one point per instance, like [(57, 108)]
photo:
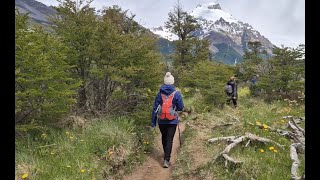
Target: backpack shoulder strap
[(173, 93)]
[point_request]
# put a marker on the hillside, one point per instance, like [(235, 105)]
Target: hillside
[(38, 12)]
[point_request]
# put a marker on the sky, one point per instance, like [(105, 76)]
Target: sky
[(281, 21)]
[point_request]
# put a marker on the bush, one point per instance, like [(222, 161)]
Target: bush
[(207, 78)]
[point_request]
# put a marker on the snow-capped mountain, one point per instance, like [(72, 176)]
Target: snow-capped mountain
[(222, 30), (212, 11), (165, 33)]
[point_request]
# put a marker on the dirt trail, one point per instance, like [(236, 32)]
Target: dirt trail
[(152, 169)]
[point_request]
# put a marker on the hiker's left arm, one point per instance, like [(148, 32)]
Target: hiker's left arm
[(179, 102)]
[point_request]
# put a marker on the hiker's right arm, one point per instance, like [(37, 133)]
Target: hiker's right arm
[(157, 101)]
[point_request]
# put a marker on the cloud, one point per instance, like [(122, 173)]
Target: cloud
[(281, 21)]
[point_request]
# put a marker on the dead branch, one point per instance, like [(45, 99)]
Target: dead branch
[(296, 161), (297, 121), (298, 146), (298, 133), (228, 139), (235, 141), (229, 159), (247, 143), (296, 136), (253, 137), (233, 144), (296, 128)]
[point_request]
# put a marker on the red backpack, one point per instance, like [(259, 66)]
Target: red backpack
[(166, 110)]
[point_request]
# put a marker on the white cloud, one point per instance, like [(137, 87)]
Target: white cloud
[(281, 21)]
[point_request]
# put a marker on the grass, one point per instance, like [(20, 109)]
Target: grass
[(108, 148), (97, 152), (185, 158), (256, 164)]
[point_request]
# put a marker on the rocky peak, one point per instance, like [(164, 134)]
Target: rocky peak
[(214, 6)]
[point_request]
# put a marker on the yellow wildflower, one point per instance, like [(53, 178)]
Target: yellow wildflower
[(271, 148), (110, 152), (258, 123), (275, 150), (282, 120), (82, 170), (68, 166), (261, 150), (25, 175), (71, 137), (265, 126), (67, 133)]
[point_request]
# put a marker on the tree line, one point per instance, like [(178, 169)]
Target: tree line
[(89, 64)]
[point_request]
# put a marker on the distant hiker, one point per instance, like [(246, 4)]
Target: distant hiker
[(167, 102), (231, 91), (254, 79), (253, 88)]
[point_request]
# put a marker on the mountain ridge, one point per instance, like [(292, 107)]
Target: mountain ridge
[(220, 27), (38, 12)]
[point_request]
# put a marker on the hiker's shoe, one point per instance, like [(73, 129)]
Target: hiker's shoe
[(166, 164)]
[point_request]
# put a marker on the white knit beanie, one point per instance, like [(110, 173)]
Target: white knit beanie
[(168, 78)]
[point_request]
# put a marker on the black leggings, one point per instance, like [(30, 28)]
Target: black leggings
[(167, 131), (234, 101)]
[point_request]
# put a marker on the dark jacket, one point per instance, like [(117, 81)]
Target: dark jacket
[(234, 88), (176, 101), (254, 80)]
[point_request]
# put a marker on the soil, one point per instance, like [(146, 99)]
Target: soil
[(152, 168)]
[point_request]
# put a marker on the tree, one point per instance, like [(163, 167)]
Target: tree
[(43, 87), (125, 63), (76, 25), (209, 79), (120, 19), (253, 63), (189, 49), (287, 71), (183, 25)]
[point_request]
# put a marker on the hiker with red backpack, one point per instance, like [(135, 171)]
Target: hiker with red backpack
[(167, 102)]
